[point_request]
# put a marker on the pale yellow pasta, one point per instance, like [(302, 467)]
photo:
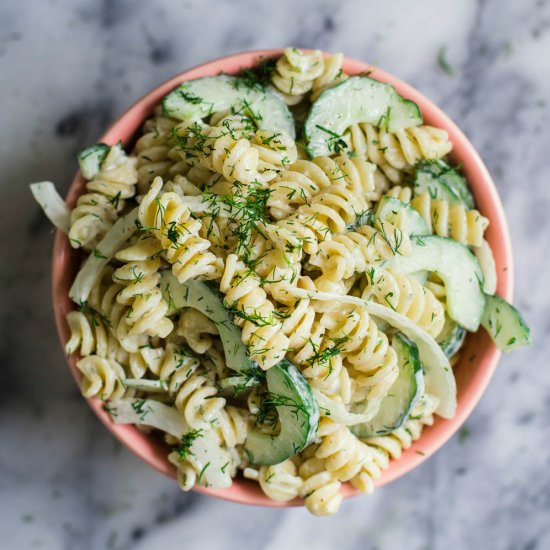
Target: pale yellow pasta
[(332, 75), (97, 209), (365, 349), (295, 73), (101, 377), (153, 151), (220, 149), (320, 489), (406, 295), (280, 482), (147, 309), (222, 200), (304, 179), (261, 329), (170, 221), (451, 220), (328, 212), (353, 252), (399, 151)]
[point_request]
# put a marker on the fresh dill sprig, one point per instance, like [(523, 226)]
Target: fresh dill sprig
[(258, 77), (183, 449), (443, 63)]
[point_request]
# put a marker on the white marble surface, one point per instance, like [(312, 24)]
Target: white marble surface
[(67, 68)]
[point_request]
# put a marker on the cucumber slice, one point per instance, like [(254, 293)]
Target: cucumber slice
[(357, 99), (298, 415), (411, 222), (451, 337), (201, 97), (200, 296), (505, 324), (91, 158), (442, 182), (425, 180), (451, 178), (403, 395), (459, 270)]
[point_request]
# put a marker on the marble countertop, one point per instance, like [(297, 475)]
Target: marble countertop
[(68, 68)]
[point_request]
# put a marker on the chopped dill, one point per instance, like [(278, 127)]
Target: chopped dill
[(443, 63), (187, 440)]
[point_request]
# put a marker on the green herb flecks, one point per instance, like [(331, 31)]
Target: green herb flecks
[(443, 63), (183, 449)]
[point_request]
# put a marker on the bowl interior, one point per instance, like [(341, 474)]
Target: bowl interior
[(478, 360)]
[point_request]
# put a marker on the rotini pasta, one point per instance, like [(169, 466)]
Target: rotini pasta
[(255, 313), (296, 72), (406, 295), (396, 152), (451, 220), (97, 209), (304, 179), (170, 221)]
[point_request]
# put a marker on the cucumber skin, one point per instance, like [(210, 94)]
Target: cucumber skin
[(311, 124), (451, 337), (265, 449), (197, 294), (414, 221), (457, 308), (410, 359), (234, 94), (91, 158), (447, 176), (512, 337)]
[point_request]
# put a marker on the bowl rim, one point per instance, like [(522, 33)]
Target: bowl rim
[(434, 437)]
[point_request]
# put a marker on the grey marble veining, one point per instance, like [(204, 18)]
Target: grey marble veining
[(68, 68)]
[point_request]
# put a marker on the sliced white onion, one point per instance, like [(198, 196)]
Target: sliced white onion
[(86, 278), (52, 204), (209, 460), (145, 385), (484, 254), (337, 412)]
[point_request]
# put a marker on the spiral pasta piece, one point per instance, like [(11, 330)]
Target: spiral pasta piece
[(90, 336), (279, 482), (404, 194), (147, 308), (331, 76), (97, 209), (364, 348), (328, 212), (399, 151), (406, 295), (342, 452), (238, 159), (295, 72), (320, 489), (255, 313), (451, 220), (232, 426), (352, 252), (170, 221), (101, 377), (155, 151), (304, 179)]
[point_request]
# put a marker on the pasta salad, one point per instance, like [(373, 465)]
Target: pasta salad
[(278, 278)]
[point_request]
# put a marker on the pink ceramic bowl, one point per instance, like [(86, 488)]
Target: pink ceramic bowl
[(480, 356)]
